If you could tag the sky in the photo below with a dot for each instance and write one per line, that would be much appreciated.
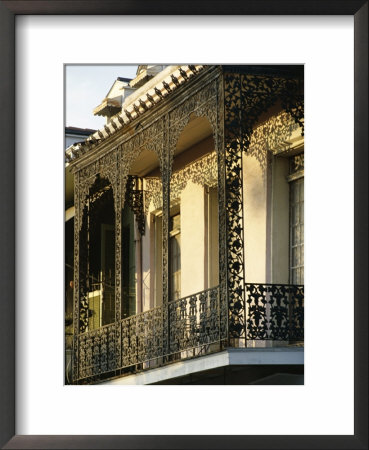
(85, 87)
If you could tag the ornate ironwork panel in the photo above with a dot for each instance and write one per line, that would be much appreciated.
(97, 352)
(142, 337)
(275, 312)
(203, 172)
(222, 212)
(77, 219)
(194, 321)
(135, 200)
(153, 193)
(105, 167)
(150, 138)
(233, 144)
(201, 103)
(118, 258)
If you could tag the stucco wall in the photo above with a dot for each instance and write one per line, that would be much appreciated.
(192, 239)
(255, 217)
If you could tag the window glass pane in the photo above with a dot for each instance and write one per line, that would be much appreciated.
(297, 231)
(175, 257)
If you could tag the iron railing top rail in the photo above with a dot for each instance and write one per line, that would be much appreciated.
(275, 284)
(87, 332)
(126, 319)
(195, 294)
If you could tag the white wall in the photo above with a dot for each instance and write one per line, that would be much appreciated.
(192, 239)
(71, 139)
(255, 219)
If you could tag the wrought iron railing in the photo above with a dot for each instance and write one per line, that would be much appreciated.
(142, 337)
(194, 321)
(274, 312)
(97, 353)
(190, 327)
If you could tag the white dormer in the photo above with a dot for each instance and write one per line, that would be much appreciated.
(144, 73)
(112, 103)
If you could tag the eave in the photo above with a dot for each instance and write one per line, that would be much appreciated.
(137, 105)
(107, 107)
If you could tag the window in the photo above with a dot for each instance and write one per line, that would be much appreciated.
(158, 259)
(296, 179)
(212, 237)
(175, 257)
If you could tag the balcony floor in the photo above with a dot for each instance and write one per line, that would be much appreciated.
(240, 365)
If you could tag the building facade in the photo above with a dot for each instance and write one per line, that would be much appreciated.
(188, 230)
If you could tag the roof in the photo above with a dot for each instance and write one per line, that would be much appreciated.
(105, 105)
(137, 104)
(127, 80)
(79, 131)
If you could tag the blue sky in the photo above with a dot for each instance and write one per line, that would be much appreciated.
(85, 87)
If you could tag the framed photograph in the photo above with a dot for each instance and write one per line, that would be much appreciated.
(164, 243)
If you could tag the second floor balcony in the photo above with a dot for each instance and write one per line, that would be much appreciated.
(179, 207)
(192, 327)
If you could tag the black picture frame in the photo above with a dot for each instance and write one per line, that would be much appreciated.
(8, 11)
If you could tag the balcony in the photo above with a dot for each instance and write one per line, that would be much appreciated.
(191, 327)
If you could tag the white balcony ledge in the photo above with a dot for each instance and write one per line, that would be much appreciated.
(232, 357)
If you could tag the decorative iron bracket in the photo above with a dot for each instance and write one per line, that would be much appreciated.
(135, 200)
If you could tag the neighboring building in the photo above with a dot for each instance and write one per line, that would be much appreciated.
(188, 236)
(75, 134)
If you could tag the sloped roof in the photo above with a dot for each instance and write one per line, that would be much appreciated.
(137, 104)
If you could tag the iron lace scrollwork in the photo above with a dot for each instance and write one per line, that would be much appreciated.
(275, 312)
(194, 321)
(134, 198)
(234, 204)
(246, 97)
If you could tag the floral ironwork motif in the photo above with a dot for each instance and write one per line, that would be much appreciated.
(153, 193)
(203, 172)
(194, 321)
(135, 200)
(97, 353)
(275, 312)
(233, 135)
(118, 202)
(142, 337)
